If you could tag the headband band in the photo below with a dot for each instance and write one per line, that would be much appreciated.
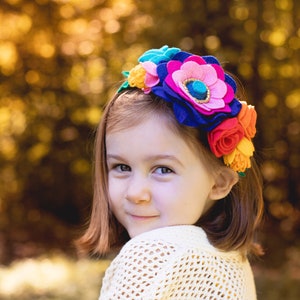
(203, 96)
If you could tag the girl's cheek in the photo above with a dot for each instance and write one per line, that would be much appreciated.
(115, 188)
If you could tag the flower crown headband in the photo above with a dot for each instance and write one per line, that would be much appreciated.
(202, 95)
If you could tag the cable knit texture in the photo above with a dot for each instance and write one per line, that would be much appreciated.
(177, 262)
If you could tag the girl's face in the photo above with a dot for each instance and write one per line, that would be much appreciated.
(155, 178)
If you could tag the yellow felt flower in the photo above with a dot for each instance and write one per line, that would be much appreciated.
(239, 158)
(136, 77)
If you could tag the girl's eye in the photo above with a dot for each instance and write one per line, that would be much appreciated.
(122, 168)
(163, 170)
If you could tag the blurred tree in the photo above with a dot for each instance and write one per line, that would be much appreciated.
(59, 62)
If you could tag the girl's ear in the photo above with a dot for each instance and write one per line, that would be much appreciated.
(224, 181)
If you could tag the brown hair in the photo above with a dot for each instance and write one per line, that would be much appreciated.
(230, 223)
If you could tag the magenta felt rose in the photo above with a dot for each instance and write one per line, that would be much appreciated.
(225, 137)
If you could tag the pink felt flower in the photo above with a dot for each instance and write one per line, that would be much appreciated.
(151, 77)
(201, 84)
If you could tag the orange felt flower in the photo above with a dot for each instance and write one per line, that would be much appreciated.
(247, 118)
(136, 77)
(239, 159)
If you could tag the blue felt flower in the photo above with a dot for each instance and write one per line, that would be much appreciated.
(158, 55)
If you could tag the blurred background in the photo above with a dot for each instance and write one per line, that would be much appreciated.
(60, 60)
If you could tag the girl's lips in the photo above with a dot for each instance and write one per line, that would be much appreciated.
(141, 217)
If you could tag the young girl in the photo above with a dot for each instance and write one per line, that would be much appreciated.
(175, 183)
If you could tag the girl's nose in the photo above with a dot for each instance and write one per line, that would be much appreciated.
(138, 190)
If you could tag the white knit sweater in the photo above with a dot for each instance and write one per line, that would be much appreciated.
(177, 263)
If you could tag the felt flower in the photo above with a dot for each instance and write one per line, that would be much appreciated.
(156, 56)
(239, 159)
(201, 93)
(247, 118)
(201, 84)
(136, 77)
(151, 77)
(225, 137)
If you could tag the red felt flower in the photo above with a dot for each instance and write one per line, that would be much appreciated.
(225, 137)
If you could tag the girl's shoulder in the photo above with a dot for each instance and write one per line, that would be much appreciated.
(175, 257)
(165, 246)
(180, 238)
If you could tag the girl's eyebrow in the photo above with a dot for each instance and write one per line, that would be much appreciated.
(154, 157)
(113, 156)
(164, 156)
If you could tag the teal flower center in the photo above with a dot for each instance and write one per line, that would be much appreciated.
(198, 90)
